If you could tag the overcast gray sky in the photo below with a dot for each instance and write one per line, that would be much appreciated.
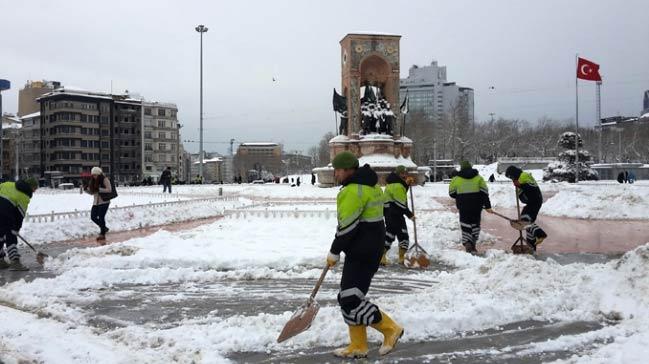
(526, 50)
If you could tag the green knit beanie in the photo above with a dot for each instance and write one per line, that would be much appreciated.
(400, 169)
(465, 165)
(32, 182)
(345, 160)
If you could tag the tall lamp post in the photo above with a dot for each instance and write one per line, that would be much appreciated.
(201, 29)
(4, 85)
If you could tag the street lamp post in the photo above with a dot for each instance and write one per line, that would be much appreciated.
(4, 85)
(201, 29)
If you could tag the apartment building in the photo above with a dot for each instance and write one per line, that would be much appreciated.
(161, 139)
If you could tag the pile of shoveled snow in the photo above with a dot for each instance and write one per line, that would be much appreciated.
(607, 201)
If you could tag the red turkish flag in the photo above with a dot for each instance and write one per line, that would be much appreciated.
(587, 70)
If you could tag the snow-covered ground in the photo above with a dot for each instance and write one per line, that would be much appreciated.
(42, 319)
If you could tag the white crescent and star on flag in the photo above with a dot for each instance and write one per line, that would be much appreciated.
(586, 70)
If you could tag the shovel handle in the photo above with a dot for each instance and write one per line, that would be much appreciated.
(28, 244)
(503, 216)
(319, 283)
(414, 222)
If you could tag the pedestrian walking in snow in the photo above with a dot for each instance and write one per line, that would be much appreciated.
(312, 179)
(471, 195)
(620, 177)
(396, 205)
(165, 180)
(298, 182)
(631, 177)
(14, 200)
(102, 191)
(530, 194)
(360, 234)
(492, 179)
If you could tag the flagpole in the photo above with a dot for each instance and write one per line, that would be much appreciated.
(577, 117)
(599, 119)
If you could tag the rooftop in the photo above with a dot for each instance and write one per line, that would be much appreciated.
(259, 144)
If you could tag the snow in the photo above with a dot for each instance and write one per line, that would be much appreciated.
(386, 160)
(623, 201)
(215, 159)
(47, 200)
(376, 136)
(368, 32)
(28, 116)
(44, 319)
(259, 144)
(340, 139)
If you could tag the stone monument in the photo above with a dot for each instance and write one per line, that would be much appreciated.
(371, 120)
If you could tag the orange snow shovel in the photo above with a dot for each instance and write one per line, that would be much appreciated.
(304, 316)
(416, 256)
(40, 256)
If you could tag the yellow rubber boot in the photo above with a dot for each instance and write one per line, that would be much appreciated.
(391, 331)
(402, 255)
(357, 348)
(384, 258)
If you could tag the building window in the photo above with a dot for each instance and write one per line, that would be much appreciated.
(147, 111)
(161, 123)
(161, 112)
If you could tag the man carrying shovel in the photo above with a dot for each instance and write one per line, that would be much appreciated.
(471, 195)
(396, 205)
(530, 194)
(361, 235)
(14, 200)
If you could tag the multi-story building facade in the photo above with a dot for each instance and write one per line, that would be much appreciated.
(11, 127)
(76, 132)
(161, 139)
(27, 103)
(297, 163)
(184, 164)
(260, 157)
(30, 145)
(430, 93)
(129, 138)
(212, 170)
(126, 141)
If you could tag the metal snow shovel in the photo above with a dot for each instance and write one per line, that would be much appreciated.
(416, 256)
(304, 316)
(518, 225)
(40, 256)
(520, 246)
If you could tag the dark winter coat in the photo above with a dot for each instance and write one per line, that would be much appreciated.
(165, 178)
(528, 190)
(361, 230)
(396, 197)
(14, 199)
(469, 190)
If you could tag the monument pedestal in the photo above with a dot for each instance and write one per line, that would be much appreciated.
(382, 152)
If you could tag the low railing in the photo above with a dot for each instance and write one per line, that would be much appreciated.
(268, 213)
(56, 216)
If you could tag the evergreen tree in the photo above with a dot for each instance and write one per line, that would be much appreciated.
(564, 168)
